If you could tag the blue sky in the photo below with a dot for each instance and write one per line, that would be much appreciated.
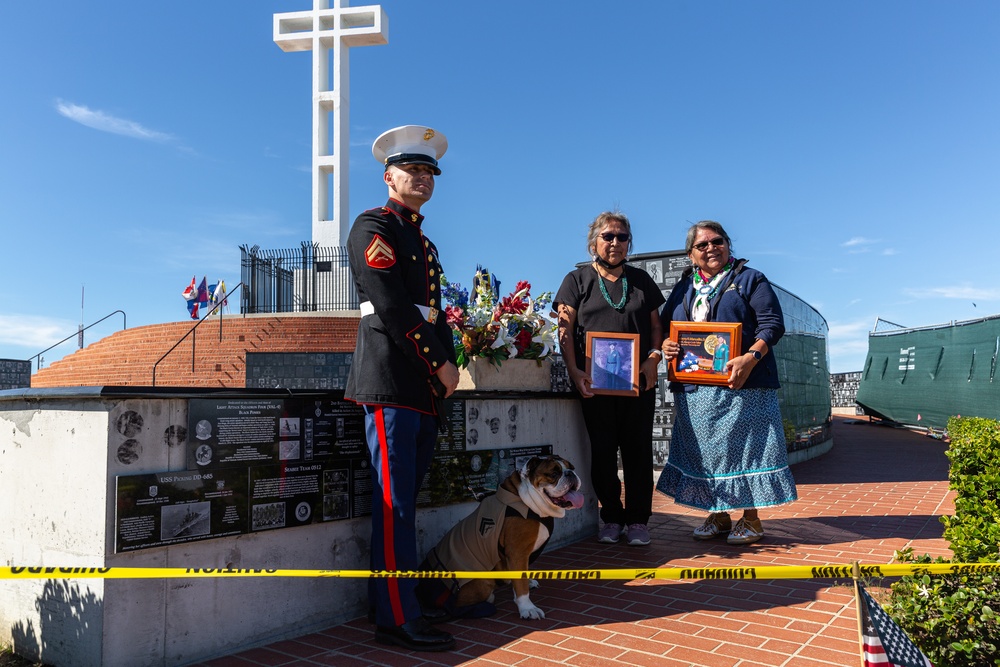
(851, 148)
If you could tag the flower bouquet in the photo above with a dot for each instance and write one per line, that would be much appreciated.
(485, 325)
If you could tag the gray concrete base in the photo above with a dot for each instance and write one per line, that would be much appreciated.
(59, 458)
(810, 452)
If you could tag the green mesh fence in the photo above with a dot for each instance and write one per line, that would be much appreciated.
(924, 376)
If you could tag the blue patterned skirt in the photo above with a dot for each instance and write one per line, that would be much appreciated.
(727, 451)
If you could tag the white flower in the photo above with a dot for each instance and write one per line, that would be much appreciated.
(501, 338)
(547, 339)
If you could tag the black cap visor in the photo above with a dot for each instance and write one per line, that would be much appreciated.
(413, 158)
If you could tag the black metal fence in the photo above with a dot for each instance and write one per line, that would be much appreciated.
(306, 279)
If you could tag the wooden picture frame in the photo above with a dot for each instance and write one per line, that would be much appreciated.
(702, 357)
(613, 363)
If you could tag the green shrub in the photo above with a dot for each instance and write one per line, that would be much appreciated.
(974, 531)
(952, 617)
(789, 431)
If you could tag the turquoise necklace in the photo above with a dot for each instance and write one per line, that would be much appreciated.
(620, 306)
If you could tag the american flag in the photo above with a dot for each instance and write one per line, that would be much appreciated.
(883, 643)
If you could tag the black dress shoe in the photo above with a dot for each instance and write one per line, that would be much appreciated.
(432, 614)
(435, 615)
(416, 635)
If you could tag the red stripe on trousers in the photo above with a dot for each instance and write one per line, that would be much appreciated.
(388, 523)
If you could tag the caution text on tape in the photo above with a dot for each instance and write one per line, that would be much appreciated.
(670, 573)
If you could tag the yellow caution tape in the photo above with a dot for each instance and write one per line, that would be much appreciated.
(677, 573)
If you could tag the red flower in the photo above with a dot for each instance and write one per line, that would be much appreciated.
(523, 340)
(455, 316)
(511, 306)
(523, 285)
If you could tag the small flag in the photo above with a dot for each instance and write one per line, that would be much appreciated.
(203, 292)
(883, 643)
(190, 292)
(219, 292)
(190, 295)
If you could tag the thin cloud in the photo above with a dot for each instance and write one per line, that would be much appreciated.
(963, 292)
(33, 331)
(849, 344)
(99, 120)
(859, 244)
(852, 329)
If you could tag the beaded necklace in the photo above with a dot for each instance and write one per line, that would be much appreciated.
(620, 306)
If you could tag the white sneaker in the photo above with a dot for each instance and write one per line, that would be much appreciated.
(715, 525)
(746, 532)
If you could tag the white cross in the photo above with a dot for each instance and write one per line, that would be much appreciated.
(321, 30)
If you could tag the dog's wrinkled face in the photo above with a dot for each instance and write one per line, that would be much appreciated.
(555, 477)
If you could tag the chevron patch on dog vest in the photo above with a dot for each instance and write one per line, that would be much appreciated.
(486, 525)
(379, 254)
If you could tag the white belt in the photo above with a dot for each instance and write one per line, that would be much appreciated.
(430, 314)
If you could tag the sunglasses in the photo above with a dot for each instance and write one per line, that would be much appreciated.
(718, 242)
(622, 237)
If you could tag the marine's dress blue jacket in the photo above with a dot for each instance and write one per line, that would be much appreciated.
(745, 296)
(396, 268)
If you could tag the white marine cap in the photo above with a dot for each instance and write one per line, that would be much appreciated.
(410, 144)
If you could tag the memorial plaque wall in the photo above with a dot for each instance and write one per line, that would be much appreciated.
(256, 464)
(298, 370)
(844, 390)
(15, 374)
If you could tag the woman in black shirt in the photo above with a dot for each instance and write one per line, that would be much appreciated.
(610, 296)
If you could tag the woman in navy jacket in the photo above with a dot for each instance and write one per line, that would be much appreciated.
(727, 450)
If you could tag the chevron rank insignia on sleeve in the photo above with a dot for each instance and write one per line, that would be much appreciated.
(379, 254)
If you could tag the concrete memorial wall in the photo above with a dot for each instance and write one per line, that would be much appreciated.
(251, 479)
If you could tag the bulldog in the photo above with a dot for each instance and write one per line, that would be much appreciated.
(506, 532)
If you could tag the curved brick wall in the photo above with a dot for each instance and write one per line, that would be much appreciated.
(126, 358)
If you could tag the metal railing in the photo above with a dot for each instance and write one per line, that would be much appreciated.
(306, 279)
(78, 332)
(885, 325)
(194, 336)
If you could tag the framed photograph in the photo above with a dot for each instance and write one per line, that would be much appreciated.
(613, 363)
(705, 349)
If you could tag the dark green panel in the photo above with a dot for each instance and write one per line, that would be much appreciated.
(924, 376)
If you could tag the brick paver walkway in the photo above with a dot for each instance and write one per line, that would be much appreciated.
(878, 490)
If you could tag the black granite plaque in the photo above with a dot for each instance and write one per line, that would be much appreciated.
(361, 488)
(337, 491)
(167, 508)
(284, 496)
(465, 476)
(240, 431)
(15, 374)
(332, 428)
(298, 370)
(452, 437)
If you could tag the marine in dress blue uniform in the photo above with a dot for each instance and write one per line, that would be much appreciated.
(404, 360)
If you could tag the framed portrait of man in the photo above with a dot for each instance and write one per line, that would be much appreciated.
(613, 363)
(706, 347)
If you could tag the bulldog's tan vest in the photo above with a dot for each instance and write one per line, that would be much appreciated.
(473, 544)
